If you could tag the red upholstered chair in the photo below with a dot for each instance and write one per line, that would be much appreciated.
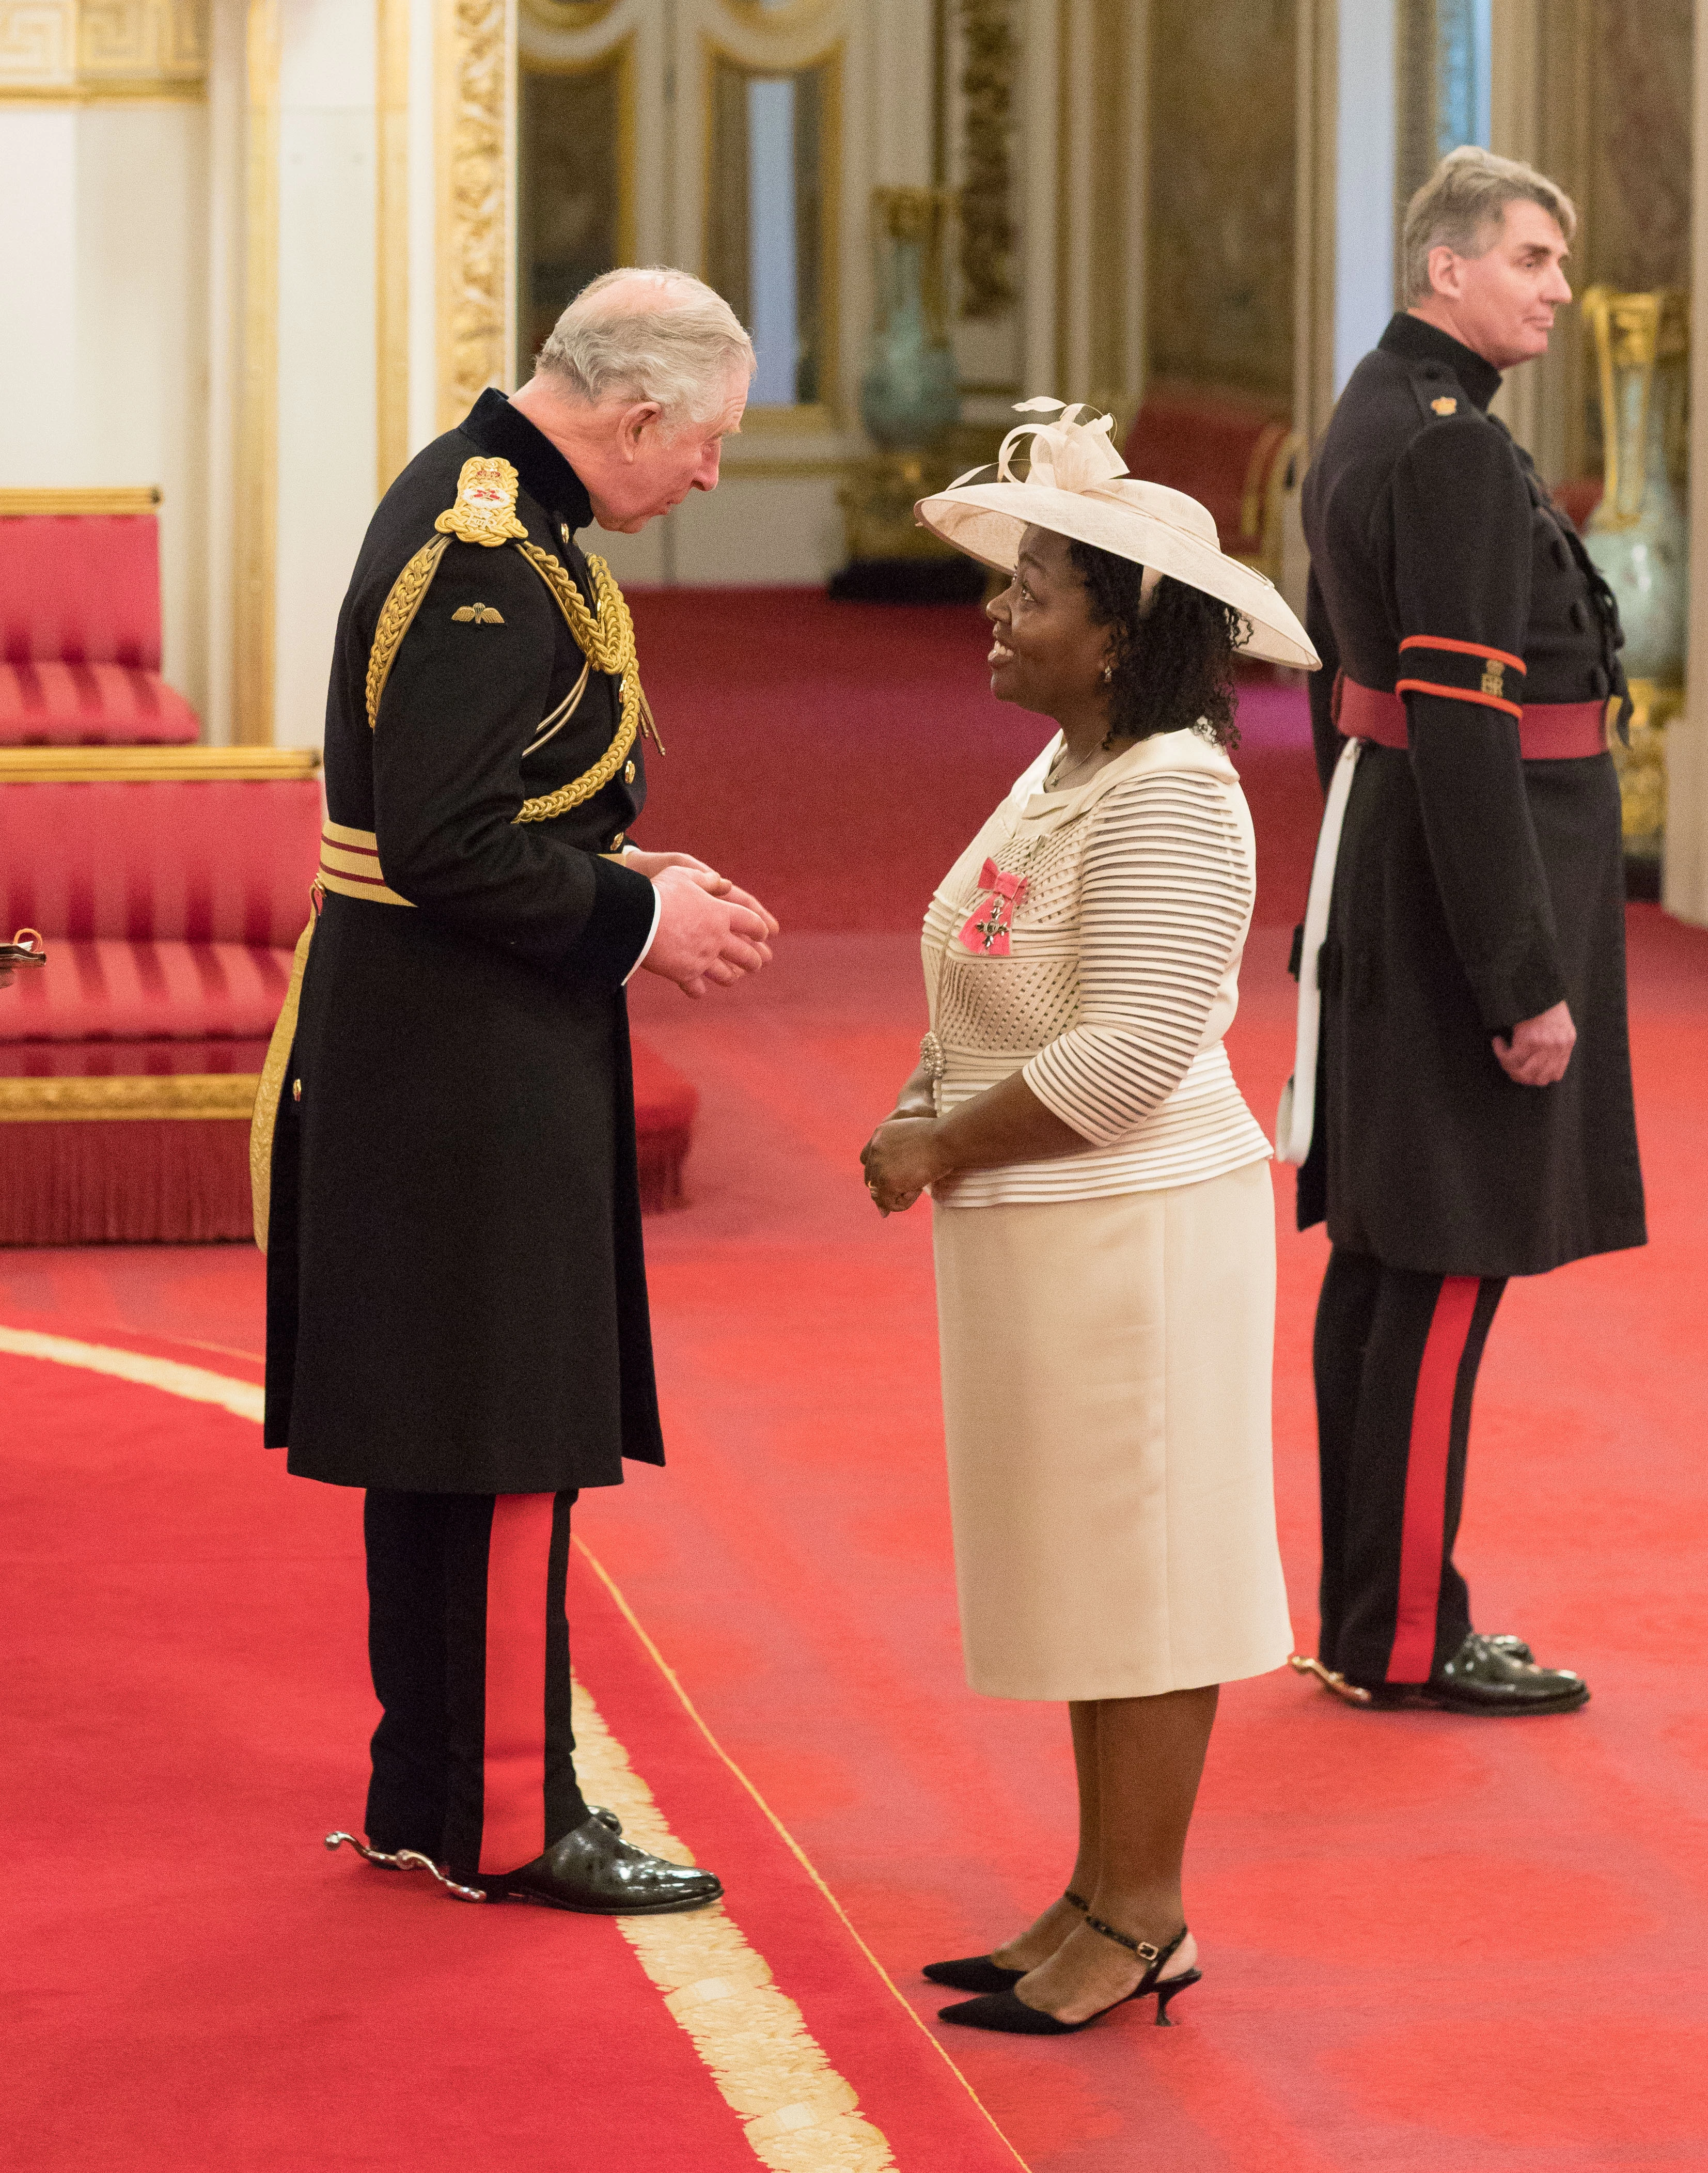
(1234, 456)
(171, 885)
(80, 622)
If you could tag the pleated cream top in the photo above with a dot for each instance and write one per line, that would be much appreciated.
(1121, 977)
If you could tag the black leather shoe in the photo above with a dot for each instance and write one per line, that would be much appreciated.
(1497, 1674)
(591, 1870)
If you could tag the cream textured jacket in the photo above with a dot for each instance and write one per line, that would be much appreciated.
(1110, 979)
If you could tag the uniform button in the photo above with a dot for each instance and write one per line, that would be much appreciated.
(1579, 616)
(1562, 553)
(296, 1090)
(563, 530)
(629, 773)
(616, 842)
(1597, 683)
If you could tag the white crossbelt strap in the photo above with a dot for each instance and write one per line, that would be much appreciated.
(1296, 1117)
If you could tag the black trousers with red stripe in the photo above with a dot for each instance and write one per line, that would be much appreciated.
(474, 1757)
(1396, 1357)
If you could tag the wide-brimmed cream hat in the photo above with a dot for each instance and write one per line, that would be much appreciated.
(1078, 485)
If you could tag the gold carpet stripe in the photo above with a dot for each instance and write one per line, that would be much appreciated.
(799, 1854)
(243, 1399)
(798, 2113)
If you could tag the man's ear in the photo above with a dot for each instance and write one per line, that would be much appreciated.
(632, 425)
(1444, 271)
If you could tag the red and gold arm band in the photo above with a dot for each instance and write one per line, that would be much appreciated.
(1462, 671)
(1456, 648)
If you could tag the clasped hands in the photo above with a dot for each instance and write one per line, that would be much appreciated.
(902, 1159)
(709, 932)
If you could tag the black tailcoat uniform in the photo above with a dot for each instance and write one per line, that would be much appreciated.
(455, 1291)
(456, 1302)
(1473, 889)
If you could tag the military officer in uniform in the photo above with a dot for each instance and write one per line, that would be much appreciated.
(445, 1146)
(1471, 1082)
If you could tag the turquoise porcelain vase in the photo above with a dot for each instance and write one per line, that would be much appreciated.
(1639, 535)
(909, 396)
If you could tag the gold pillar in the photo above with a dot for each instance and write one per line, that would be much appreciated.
(257, 447)
(473, 64)
(391, 255)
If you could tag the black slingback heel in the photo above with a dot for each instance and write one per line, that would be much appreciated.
(978, 1973)
(1001, 2010)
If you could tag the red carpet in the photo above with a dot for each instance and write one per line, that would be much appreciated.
(1431, 1945)
(194, 1983)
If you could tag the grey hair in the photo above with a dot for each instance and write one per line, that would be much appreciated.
(1466, 196)
(648, 333)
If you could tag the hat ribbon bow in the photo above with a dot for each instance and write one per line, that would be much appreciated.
(1075, 452)
(986, 927)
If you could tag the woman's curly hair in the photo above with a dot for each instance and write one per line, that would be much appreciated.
(1174, 660)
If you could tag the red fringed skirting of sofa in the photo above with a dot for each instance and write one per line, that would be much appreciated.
(168, 1180)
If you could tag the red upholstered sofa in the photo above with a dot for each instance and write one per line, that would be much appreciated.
(1235, 457)
(170, 884)
(80, 622)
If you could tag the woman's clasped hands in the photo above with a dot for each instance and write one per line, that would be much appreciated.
(902, 1158)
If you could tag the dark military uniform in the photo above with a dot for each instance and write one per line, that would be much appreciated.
(456, 1302)
(1479, 881)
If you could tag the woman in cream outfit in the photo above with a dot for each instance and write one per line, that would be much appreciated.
(1102, 1216)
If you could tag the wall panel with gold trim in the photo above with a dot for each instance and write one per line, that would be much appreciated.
(1223, 145)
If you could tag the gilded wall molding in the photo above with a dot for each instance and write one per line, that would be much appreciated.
(473, 65)
(80, 50)
(991, 57)
(568, 14)
(257, 433)
(391, 252)
(40, 501)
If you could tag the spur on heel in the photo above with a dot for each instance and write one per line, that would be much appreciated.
(978, 1973)
(1004, 2009)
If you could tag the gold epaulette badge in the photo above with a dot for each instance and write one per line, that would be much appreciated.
(485, 511)
(1444, 405)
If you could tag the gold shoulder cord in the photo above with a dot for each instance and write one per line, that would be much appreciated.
(396, 617)
(484, 513)
(607, 642)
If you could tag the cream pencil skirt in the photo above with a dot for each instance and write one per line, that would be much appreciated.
(1105, 1398)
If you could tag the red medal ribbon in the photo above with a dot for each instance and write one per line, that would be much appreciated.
(987, 929)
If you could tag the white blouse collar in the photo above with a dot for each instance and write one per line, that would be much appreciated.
(1187, 750)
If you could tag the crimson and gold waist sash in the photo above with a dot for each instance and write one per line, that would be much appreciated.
(1547, 731)
(350, 864)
